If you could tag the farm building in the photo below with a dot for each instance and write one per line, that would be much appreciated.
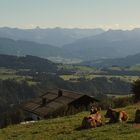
(57, 103)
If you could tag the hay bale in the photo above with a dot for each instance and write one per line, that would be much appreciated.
(137, 116)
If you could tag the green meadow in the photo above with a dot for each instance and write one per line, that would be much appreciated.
(66, 128)
(89, 77)
(12, 74)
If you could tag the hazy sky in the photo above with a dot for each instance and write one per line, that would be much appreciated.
(116, 14)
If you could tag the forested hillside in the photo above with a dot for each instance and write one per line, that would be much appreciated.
(20, 48)
(13, 93)
(28, 62)
(124, 61)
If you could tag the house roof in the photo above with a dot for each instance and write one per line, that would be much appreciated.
(53, 101)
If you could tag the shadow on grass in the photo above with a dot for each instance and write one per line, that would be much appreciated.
(81, 128)
(130, 122)
(106, 123)
(134, 124)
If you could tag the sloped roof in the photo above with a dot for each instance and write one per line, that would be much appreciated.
(53, 102)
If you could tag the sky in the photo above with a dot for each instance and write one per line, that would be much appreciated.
(115, 14)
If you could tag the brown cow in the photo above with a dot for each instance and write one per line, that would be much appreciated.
(93, 120)
(116, 116)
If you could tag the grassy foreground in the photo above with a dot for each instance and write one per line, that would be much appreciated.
(65, 128)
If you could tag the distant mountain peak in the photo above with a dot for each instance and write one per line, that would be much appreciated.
(37, 27)
(55, 36)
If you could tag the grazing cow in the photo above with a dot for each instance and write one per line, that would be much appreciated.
(93, 120)
(137, 116)
(116, 116)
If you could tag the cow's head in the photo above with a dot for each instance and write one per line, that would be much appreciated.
(93, 110)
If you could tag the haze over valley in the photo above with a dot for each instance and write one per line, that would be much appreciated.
(76, 44)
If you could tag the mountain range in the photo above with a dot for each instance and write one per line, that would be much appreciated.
(53, 36)
(110, 44)
(102, 45)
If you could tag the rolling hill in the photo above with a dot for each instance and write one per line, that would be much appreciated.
(126, 61)
(21, 48)
(27, 62)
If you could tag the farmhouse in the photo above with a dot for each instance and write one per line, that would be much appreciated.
(57, 103)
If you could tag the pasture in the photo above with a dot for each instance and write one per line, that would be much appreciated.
(89, 77)
(89, 72)
(66, 128)
(12, 74)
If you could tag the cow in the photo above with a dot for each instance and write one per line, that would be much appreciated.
(116, 116)
(93, 120)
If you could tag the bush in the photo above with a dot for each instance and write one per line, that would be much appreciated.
(122, 102)
(115, 102)
(136, 90)
(106, 103)
(14, 116)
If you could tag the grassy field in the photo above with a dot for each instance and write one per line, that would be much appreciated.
(64, 60)
(129, 68)
(11, 74)
(125, 78)
(135, 68)
(80, 68)
(87, 73)
(8, 74)
(119, 96)
(65, 128)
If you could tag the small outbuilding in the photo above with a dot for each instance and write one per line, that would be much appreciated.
(57, 103)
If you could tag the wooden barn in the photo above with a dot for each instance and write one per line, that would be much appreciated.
(57, 103)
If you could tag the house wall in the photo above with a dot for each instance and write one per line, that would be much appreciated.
(68, 110)
(31, 116)
(34, 116)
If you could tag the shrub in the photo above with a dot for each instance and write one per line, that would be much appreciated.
(122, 102)
(115, 102)
(136, 90)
